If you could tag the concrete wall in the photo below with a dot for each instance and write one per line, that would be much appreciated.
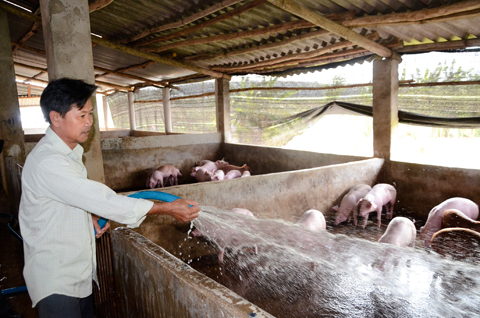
(270, 159)
(421, 187)
(126, 160)
(165, 287)
(284, 195)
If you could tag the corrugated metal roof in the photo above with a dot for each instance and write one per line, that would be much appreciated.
(248, 37)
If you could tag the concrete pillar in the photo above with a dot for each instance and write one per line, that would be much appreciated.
(66, 32)
(131, 111)
(167, 111)
(11, 132)
(385, 106)
(222, 102)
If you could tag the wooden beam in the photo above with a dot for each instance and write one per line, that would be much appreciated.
(435, 15)
(292, 58)
(418, 17)
(123, 88)
(451, 45)
(118, 72)
(156, 58)
(99, 4)
(183, 22)
(155, 83)
(293, 25)
(321, 21)
(325, 59)
(249, 6)
(124, 48)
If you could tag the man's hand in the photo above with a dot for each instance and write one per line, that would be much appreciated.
(97, 227)
(181, 209)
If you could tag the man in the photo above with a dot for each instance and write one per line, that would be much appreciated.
(57, 201)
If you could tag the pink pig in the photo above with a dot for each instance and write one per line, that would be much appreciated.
(380, 195)
(228, 167)
(312, 220)
(348, 206)
(163, 174)
(233, 174)
(217, 175)
(434, 220)
(202, 175)
(400, 232)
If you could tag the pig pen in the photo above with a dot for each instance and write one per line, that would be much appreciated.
(127, 159)
(151, 273)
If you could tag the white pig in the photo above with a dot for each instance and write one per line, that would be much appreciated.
(312, 220)
(163, 174)
(434, 220)
(202, 175)
(380, 195)
(217, 175)
(233, 174)
(400, 232)
(348, 206)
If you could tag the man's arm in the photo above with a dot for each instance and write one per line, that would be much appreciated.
(181, 209)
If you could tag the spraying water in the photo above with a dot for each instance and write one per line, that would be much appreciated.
(301, 273)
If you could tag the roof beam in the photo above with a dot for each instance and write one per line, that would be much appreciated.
(347, 34)
(235, 12)
(288, 26)
(183, 22)
(123, 48)
(293, 58)
(157, 58)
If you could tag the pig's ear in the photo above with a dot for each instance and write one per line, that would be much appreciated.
(335, 208)
(359, 201)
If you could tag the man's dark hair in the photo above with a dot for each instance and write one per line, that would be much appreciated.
(62, 94)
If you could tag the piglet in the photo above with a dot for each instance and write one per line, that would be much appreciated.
(222, 237)
(217, 175)
(207, 165)
(246, 173)
(312, 220)
(202, 175)
(434, 220)
(348, 206)
(227, 168)
(400, 232)
(233, 174)
(380, 195)
(163, 174)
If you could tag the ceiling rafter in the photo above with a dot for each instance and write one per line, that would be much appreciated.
(289, 26)
(295, 57)
(125, 49)
(430, 16)
(336, 28)
(235, 12)
(183, 22)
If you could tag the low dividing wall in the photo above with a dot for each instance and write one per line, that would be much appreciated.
(126, 160)
(265, 160)
(153, 283)
(284, 195)
(421, 187)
